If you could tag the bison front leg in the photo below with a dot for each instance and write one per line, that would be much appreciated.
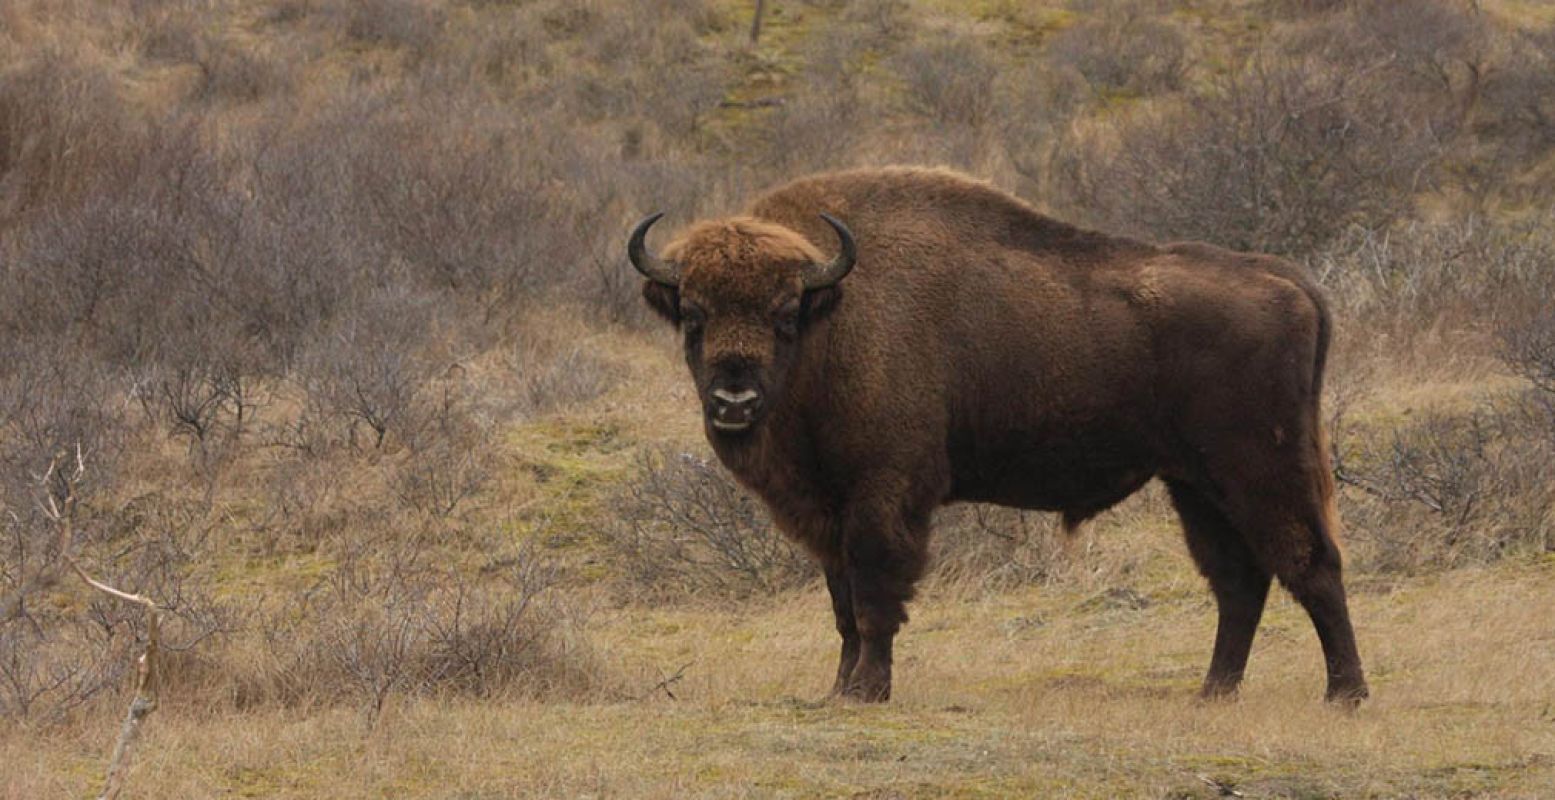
(884, 560)
(842, 608)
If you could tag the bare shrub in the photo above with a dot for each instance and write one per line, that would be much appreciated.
(230, 72)
(483, 640)
(387, 622)
(448, 459)
(369, 374)
(1449, 490)
(570, 376)
(1482, 84)
(616, 291)
(170, 34)
(288, 11)
(63, 127)
(408, 24)
(45, 673)
(1518, 94)
(611, 289)
(684, 528)
(996, 548)
(1443, 44)
(62, 645)
(51, 403)
(188, 400)
(1124, 49)
(1038, 104)
(551, 372)
(504, 51)
(816, 130)
(820, 124)
(464, 212)
(950, 80)
(48, 406)
(883, 18)
(301, 502)
(1280, 156)
(1420, 274)
(166, 272)
(95, 270)
(436, 479)
(1530, 348)
(677, 107)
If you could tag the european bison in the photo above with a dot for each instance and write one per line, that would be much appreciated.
(954, 344)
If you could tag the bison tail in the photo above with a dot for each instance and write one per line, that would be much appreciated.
(1325, 478)
(1330, 505)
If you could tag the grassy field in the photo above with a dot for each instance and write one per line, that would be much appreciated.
(1029, 693)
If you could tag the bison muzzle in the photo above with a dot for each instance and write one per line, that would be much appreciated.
(951, 344)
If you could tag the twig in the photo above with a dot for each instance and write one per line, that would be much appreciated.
(760, 102)
(668, 682)
(15, 605)
(1225, 789)
(1348, 478)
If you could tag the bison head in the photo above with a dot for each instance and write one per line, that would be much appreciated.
(744, 292)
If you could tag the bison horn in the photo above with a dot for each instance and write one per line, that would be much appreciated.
(820, 276)
(660, 272)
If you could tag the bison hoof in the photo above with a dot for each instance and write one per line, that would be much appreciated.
(1218, 693)
(863, 691)
(1347, 696)
(867, 691)
(870, 695)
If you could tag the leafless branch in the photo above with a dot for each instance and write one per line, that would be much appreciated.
(667, 682)
(59, 505)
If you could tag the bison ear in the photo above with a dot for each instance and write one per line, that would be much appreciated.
(818, 303)
(665, 300)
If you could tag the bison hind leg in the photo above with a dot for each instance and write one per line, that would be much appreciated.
(1318, 586)
(1279, 506)
(1240, 584)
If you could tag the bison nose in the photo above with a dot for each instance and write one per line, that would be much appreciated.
(734, 409)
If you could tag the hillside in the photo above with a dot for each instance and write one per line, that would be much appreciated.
(330, 296)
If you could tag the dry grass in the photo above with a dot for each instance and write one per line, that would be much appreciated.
(1029, 693)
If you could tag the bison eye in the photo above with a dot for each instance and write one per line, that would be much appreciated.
(692, 319)
(786, 320)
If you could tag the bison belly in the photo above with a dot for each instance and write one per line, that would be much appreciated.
(1074, 471)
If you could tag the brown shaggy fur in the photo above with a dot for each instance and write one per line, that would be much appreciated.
(980, 351)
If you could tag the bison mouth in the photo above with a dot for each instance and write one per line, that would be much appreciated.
(731, 427)
(734, 412)
(732, 422)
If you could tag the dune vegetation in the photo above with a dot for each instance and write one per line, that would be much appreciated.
(316, 329)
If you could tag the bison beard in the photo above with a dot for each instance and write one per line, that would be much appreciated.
(979, 351)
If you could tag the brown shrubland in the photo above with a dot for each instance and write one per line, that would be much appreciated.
(330, 293)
